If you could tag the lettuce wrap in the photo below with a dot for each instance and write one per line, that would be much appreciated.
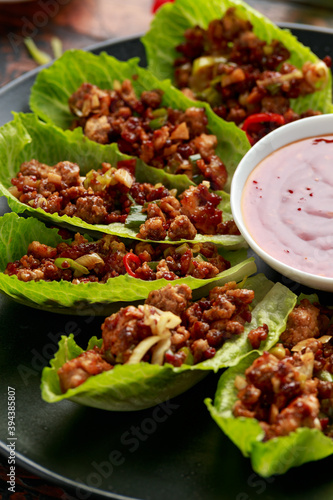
(26, 137)
(54, 86)
(85, 298)
(170, 22)
(142, 385)
(276, 455)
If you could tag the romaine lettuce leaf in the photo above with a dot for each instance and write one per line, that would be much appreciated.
(54, 86)
(27, 137)
(129, 387)
(86, 298)
(169, 24)
(271, 457)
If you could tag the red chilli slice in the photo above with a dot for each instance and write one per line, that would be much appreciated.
(259, 118)
(157, 4)
(131, 258)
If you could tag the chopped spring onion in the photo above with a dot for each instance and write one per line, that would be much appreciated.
(157, 113)
(160, 118)
(182, 249)
(153, 264)
(206, 61)
(157, 123)
(38, 55)
(66, 263)
(200, 258)
(56, 45)
(194, 158)
(189, 360)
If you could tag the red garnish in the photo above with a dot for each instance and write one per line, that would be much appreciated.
(324, 422)
(209, 353)
(253, 123)
(328, 61)
(131, 258)
(157, 4)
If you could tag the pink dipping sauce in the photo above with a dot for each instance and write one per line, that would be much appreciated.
(287, 205)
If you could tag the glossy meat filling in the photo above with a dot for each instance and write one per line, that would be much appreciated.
(285, 389)
(83, 261)
(108, 195)
(246, 80)
(168, 328)
(163, 137)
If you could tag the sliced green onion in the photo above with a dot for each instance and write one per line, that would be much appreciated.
(194, 158)
(182, 249)
(157, 123)
(65, 263)
(89, 178)
(211, 95)
(104, 180)
(38, 55)
(278, 351)
(206, 61)
(157, 113)
(197, 179)
(56, 45)
(200, 258)
(197, 176)
(153, 264)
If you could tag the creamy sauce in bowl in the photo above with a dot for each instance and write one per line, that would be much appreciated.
(287, 205)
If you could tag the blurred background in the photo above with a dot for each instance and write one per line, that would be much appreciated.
(80, 23)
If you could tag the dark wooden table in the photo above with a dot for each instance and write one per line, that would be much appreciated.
(80, 23)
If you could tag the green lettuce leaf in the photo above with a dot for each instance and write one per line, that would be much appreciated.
(27, 137)
(86, 298)
(125, 388)
(54, 86)
(129, 387)
(169, 24)
(272, 457)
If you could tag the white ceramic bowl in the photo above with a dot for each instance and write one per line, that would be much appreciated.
(301, 129)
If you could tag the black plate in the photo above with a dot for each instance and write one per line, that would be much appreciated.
(174, 450)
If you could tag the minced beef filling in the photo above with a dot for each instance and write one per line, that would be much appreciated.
(204, 326)
(177, 141)
(106, 196)
(283, 388)
(241, 75)
(109, 257)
